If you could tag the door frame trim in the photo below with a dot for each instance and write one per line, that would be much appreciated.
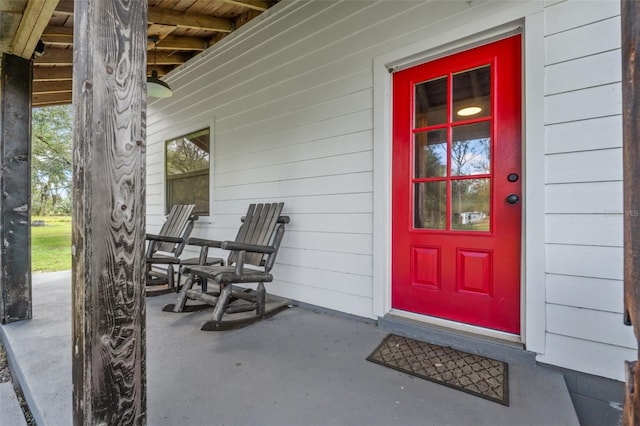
(479, 25)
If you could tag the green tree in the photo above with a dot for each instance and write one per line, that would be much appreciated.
(51, 160)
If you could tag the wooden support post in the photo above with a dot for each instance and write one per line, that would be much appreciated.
(109, 100)
(631, 147)
(15, 186)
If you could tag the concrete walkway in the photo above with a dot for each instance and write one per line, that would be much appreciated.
(298, 368)
(10, 411)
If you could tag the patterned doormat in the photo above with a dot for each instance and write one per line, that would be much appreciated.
(474, 374)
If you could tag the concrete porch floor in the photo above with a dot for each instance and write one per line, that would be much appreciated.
(301, 367)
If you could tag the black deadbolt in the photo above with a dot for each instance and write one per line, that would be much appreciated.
(513, 199)
(512, 177)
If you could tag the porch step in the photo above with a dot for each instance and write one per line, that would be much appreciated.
(540, 390)
(10, 411)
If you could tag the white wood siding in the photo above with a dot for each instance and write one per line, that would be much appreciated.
(292, 104)
(583, 177)
(291, 99)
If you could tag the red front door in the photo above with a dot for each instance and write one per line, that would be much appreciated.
(457, 187)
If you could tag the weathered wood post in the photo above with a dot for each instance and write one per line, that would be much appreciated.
(631, 153)
(109, 99)
(15, 188)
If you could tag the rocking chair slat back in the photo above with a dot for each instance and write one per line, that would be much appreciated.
(257, 228)
(174, 226)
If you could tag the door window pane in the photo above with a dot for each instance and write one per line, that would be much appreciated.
(472, 94)
(431, 153)
(431, 103)
(470, 204)
(471, 149)
(430, 206)
(187, 166)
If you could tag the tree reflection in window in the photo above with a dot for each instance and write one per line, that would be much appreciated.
(187, 171)
(471, 149)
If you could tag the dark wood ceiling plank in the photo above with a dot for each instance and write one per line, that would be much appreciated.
(170, 17)
(53, 56)
(47, 104)
(54, 31)
(189, 20)
(52, 73)
(57, 40)
(64, 57)
(180, 43)
(160, 31)
(167, 58)
(65, 7)
(51, 86)
(250, 4)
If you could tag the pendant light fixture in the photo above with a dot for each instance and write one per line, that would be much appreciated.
(155, 87)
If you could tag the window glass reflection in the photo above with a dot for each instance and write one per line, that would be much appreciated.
(431, 103)
(472, 94)
(470, 204)
(431, 153)
(471, 149)
(430, 206)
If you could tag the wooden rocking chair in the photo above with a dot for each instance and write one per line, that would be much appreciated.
(256, 246)
(166, 247)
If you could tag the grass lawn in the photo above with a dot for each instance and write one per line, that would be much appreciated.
(51, 244)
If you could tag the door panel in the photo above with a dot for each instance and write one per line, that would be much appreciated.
(456, 221)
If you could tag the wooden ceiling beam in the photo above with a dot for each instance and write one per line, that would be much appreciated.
(51, 99)
(57, 35)
(34, 20)
(179, 43)
(250, 4)
(64, 57)
(47, 74)
(189, 20)
(65, 7)
(165, 58)
(52, 30)
(64, 102)
(57, 40)
(51, 86)
(166, 43)
(160, 31)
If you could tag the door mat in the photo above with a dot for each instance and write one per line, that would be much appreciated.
(473, 374)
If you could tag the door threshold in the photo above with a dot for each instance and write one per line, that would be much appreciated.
(471, 330)
(494, 344)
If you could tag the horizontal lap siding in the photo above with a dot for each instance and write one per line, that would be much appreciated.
(292, 101)
(291, 95)
(583, 176)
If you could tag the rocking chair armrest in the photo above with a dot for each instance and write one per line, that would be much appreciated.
(164, 238)
(255, 248)
(204, 242)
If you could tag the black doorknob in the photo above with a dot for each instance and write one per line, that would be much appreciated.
(513, 177)
(513, 199)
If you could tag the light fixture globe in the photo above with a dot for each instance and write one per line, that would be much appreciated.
(157, 88)
(469, 111)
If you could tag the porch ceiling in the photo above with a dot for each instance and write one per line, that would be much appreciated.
(183, 29)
